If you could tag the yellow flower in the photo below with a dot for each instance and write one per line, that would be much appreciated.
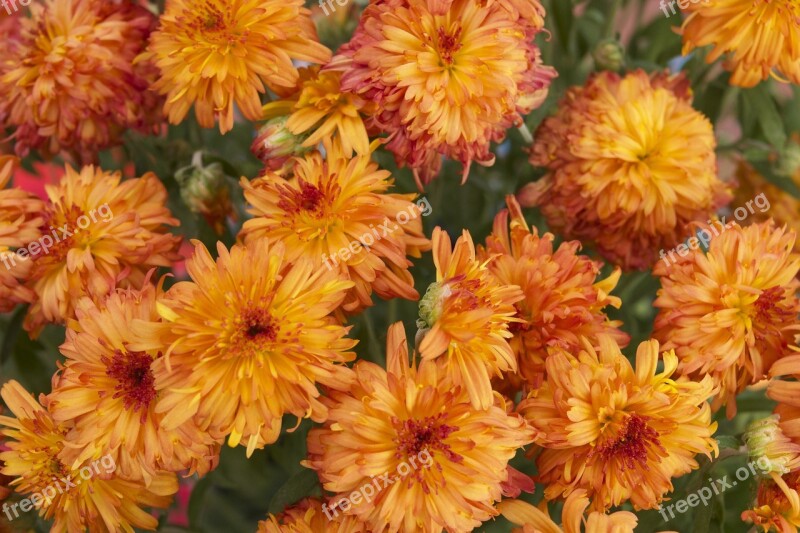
(777, 506)
(308, 516)
(102, 232)
(757, 37)
(620, 433)
(448, 77)
(109, 387)
(90, 495)
(216, 53)
(247, 341)
(334, 212)
(465, 317)
(410, 439)
(69, 81)
(562, 299)
(534, 520)
(629, 164)
(728, 313)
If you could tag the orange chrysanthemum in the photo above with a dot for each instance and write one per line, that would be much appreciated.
(20, 220)
(308, 516)
(619, 433)
(69, 81)
(91, 495)
(107, 390)
(334, 213)
(102, 232)
(439, 463)
(758, 37)
(629, 164)
(777, 506)
(534, 520)
(562, 299)
(448, 77)
(248, 340)
(216, 53)
(464, 319)
(730, 313)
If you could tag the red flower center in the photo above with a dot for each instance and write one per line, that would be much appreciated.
(135, 380)
(631, 446)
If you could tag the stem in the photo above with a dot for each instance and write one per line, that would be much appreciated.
(608, 32)
(526, 134)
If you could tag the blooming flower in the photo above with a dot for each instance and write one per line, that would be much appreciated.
(70, 82)
(334, 212)
(620, 433)
(389, 420)
(777, 506)
(757, 38)
(729, 313)
(247, 340)
(216, 53)
(448, 77)
(103, 232)
(629, 164)
(308, 516)
(562, 299)
(97, 501)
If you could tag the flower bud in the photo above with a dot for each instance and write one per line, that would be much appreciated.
(789, 160)
(205, 190)
(609, 55)
(769, 448)
(275, 144)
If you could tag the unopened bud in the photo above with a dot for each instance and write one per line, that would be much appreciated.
(770, 449)
(609, 55)
(205, 190)
(789, 160)
(275, 144)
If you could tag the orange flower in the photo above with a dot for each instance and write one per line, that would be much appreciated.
(629, 164)
(448, 77)
(777, 505)
(335, 213)
(730, 313)
(758, 37)
(620, 433)
(108, 390)
(562, 299)
(307, 516)
(69, 81)
(102, 232)
(247, 340)
(534, 520)
(216, 53)
(90, 495)
(411, 439)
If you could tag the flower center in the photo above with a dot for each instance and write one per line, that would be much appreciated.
(253, 333)
(632, 443)
(449, 44)
(135, 380)
(426, 435)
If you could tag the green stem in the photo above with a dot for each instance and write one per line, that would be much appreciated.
(608, 32)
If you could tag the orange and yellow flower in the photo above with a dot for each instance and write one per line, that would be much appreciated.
(447, 77)
(629, 163)
(90, 495)
(757, 37)
(102, 232)
(730, 313)
(777, 506)
(108, 390)
(334, 212)
(562, 303)
(464, 319)
(620, 433)
(215, 54)
(248, 340)
(69, 81)
(309, 516)
(534, 520)
(439, 462)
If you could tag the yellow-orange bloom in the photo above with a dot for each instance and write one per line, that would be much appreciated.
(562, 303)
(107, 390)
(732, 312)
(216, 53)
(309, 516)
(447, 77)
(412, 435)
(334, 212)
(247, 340)
(619, 432)
(629, 163)
(90, 495)
(20, 220)
(102, 232)
(757, 37)
(464, 319)
(69, 81)
(777, 506)
(534, 520)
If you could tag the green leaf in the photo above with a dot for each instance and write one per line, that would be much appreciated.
(295, 489)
